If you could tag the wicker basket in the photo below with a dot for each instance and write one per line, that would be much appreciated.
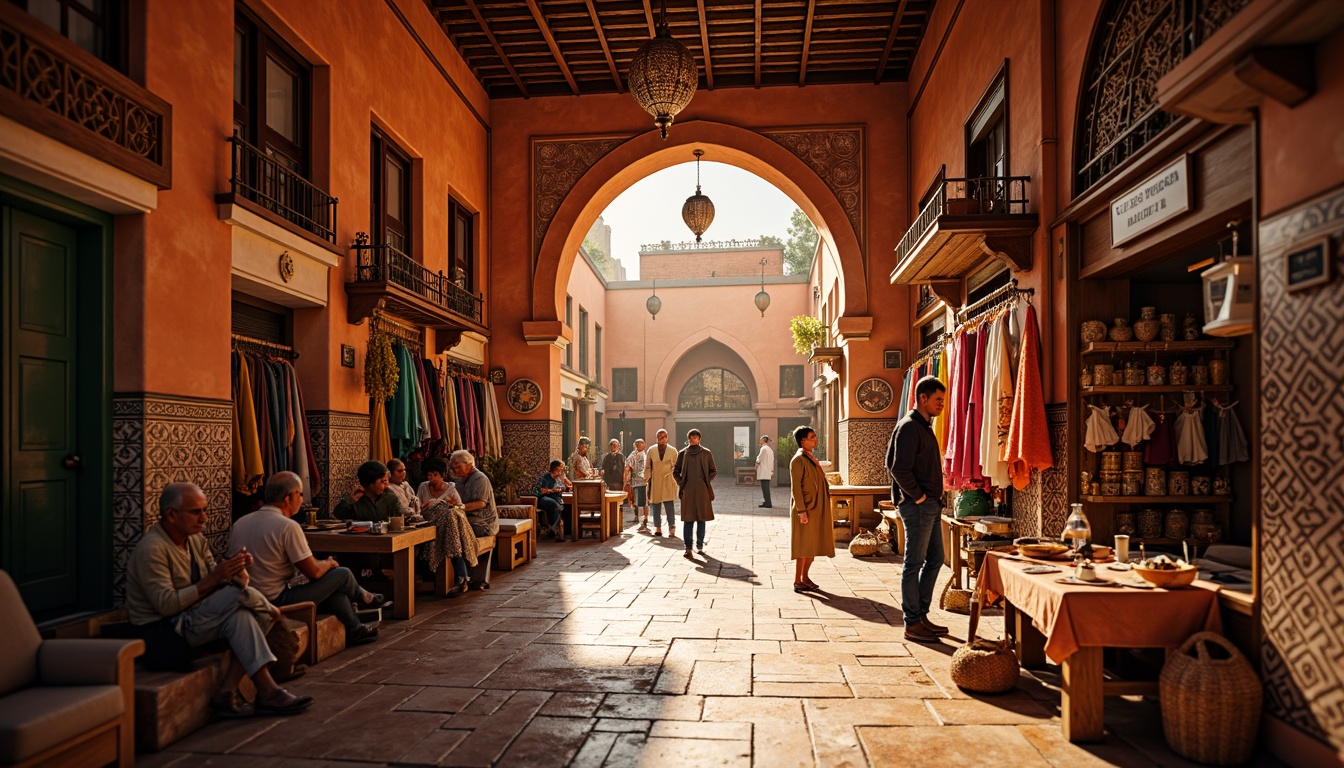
(863, 545)
(955, 600)
(1210, 701)
(985, 666)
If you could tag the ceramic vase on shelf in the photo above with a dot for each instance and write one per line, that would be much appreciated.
(1199, 374)
(1218, 371)
(1093, 330)
(1101, 375)
(1177, 524)
(1200, 485)
(1085, 380)
(1133, 374)
(1148, 326)
(1157, 375)
(1178, 374)
(1150, 523)
(1121, 330)
(1178, 483)
(1155, 481)
(1190, 328)
(1167, 327)
(1124, 523)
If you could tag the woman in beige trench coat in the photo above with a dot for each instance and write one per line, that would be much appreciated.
(810, 509)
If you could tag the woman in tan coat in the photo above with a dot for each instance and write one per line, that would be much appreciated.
(810, 508)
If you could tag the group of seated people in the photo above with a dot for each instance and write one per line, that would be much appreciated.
(180, 598)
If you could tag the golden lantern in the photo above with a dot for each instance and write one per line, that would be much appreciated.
(698, 210)
(663, 76)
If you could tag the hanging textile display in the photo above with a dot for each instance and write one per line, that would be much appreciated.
(1028, 446)
(1232, 446)
(1100, 434)
(1189, 431)
(270, 426)
(380, 381)
(1138, 427)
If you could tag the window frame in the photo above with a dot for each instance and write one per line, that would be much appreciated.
(990, 112)
(569, 321)
(597, 353)
(624, 385)
(583, 340)
(802, 380)
(724, 374)
(260, 44)
(113, 27)
(382, 149)
(460, 214)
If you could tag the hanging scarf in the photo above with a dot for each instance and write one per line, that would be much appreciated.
(1028, 445)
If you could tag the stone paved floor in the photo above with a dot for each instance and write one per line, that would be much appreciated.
(625, 653)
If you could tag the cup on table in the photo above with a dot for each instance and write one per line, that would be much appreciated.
(1122, 548)
(312, 518)
(396, 524)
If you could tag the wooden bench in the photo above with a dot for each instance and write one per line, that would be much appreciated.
(480, 575)
(516, 542)
(746, 475)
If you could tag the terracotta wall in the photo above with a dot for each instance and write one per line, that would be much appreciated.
(710, 263)
(589, 293)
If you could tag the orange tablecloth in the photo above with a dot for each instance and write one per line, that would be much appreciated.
(1072, 616)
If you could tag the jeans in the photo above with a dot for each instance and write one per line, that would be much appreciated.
(552, 507)
(658, 507)
(699, 532)
(336, 592)
(460, 571)
(765, 492)
(640, 500)
(223, 615)
(923, 557)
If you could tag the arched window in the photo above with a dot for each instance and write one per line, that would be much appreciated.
(714, 389)
(1135, 44)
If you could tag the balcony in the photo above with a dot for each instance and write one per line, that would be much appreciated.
(964, 221)
(54, 87)
(387, 279)
(269, 188)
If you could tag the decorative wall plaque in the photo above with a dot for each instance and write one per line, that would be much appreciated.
(286, 267)
(347, 356)
(893, 360)
(1309, 266)
(874, 395)
(497, 376)
(524, 395)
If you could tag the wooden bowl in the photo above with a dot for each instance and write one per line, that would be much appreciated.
(1168, 579)
(1043, 549)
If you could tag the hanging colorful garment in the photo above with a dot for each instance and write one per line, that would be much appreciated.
(249, 471)
(494, 432)
(903, 402)
(404, 414)
(313, 486)
(1100, 433)
(955, 402)
(998, 400)
(380, 442)
(1159, 451)
(940, 422)
(1028, 445)
(1189, 430)
(453, 437)
(1232, 445)
(1138, 427)
(971, 469)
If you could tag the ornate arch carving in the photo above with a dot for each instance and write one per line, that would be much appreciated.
(1135, 43)
(837, 157)
(557, 165)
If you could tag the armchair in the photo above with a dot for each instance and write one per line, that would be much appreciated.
(63, 702)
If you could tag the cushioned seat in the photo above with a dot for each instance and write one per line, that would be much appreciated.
(514, 525)
(36, 719)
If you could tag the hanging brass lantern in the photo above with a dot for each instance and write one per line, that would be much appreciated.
(698, 210)
(654, 304)
(663, 76)
(763, 298)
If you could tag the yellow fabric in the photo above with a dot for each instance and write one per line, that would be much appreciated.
(940, 422)
(380, 440)
(248, 469)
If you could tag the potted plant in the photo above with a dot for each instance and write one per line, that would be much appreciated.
(785, 448)
(504, 473)
(808, 332)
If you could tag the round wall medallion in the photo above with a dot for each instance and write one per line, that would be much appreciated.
(524, 395)
(286, 267)
(874, 395)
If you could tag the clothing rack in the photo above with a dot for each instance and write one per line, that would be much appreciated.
(1000, 296)
(404, 332)
(928, 351)
(462, 370)
(248, 344)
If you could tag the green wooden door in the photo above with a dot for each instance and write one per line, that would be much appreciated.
(41, 534)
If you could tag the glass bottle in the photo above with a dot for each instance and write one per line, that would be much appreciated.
(1077, 530)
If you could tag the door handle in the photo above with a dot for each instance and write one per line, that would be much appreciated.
(72, 461)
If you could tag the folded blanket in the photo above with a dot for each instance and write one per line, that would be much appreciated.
(454, 537)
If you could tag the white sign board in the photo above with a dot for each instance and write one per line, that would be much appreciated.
(1160, 197)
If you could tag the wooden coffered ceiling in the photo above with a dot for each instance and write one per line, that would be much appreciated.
(575, 47)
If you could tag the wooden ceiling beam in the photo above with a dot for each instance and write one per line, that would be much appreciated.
(891, 40)
(606, 51)
(648, 18)
(555, 49)
(758, 43)
(499, 50)
(807, 40)
(704, 44)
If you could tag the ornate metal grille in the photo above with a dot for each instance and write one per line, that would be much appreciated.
(1137, 42)
(714, 389)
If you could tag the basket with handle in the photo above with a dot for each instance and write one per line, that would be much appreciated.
(981, 665)
(1211, 701)
(955, 600)
(863, 545)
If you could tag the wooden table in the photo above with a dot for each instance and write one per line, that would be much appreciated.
(860, 499)
(400, 545)
(1071, 624)
(611, 514)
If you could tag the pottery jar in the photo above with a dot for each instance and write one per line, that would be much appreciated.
(1133, 460)
(1168, 330)
(1085, 380)
(1121, 330)
(1150, 523)
(1178, 483)
(1124, 523)
(1199, 485)
(1222, 486)
(1177, 524)
(1110, 462)
(1101, 375)
(1218, 372)
(1155, 481)
(1201, 524)
(1148, 326)
(1157, 375)
(1133, 374)
(1110, 489)
(1093, 330)
(1178, 374)
(1199, 374)
(1190, 328)
(1132, 484)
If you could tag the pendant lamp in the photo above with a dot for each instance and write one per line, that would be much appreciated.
(654, 304)
(763, 298)
(698, 210)
(663, 76)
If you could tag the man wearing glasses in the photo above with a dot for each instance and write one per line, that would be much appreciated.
(279, 548)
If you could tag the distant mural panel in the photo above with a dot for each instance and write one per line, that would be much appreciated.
(863, 460)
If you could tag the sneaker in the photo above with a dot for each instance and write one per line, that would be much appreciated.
(918, 633)
(937, 629)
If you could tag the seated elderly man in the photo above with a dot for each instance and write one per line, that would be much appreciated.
(279, 549)
(478, 501)
(172, 579)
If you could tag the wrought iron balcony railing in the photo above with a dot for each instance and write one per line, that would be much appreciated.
(268, 183)
(385, 264)
(989, 196)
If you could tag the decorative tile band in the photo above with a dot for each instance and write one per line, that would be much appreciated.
(537, 444)
(340, 445)
(863, 450)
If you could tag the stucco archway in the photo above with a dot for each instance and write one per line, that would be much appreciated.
(734, 344)
(647, 153)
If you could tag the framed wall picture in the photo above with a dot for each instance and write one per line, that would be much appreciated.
(1310, 265)
(893, 360)
(347, 356)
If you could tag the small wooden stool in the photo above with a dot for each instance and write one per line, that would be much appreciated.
(513, 543)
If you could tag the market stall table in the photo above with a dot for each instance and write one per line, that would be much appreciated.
(611, 513)
(858, 500)
(400, 545)
(1077, 621)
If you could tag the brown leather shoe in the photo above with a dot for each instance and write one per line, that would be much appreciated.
(918, 633)
(937, 629)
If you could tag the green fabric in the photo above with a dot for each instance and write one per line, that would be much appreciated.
(974, 503)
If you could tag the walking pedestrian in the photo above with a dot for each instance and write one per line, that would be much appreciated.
(580, 466)
(695, 473)
(637, 462)
(765, 469)
(663, 487)
(813, 531)
(916, 469)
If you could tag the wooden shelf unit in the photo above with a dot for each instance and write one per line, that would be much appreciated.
(1166, 389)
(1187, 499)
(1173, 347)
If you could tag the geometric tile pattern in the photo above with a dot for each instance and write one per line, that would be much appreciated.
(340, 445)
(864, 454)
(1041, 508)
(1302, 493)
(837, 157)
(160, 439)
(537, 442)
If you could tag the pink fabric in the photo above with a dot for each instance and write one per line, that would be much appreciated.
(975, 411)
(951, 411)
(1028, 445)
